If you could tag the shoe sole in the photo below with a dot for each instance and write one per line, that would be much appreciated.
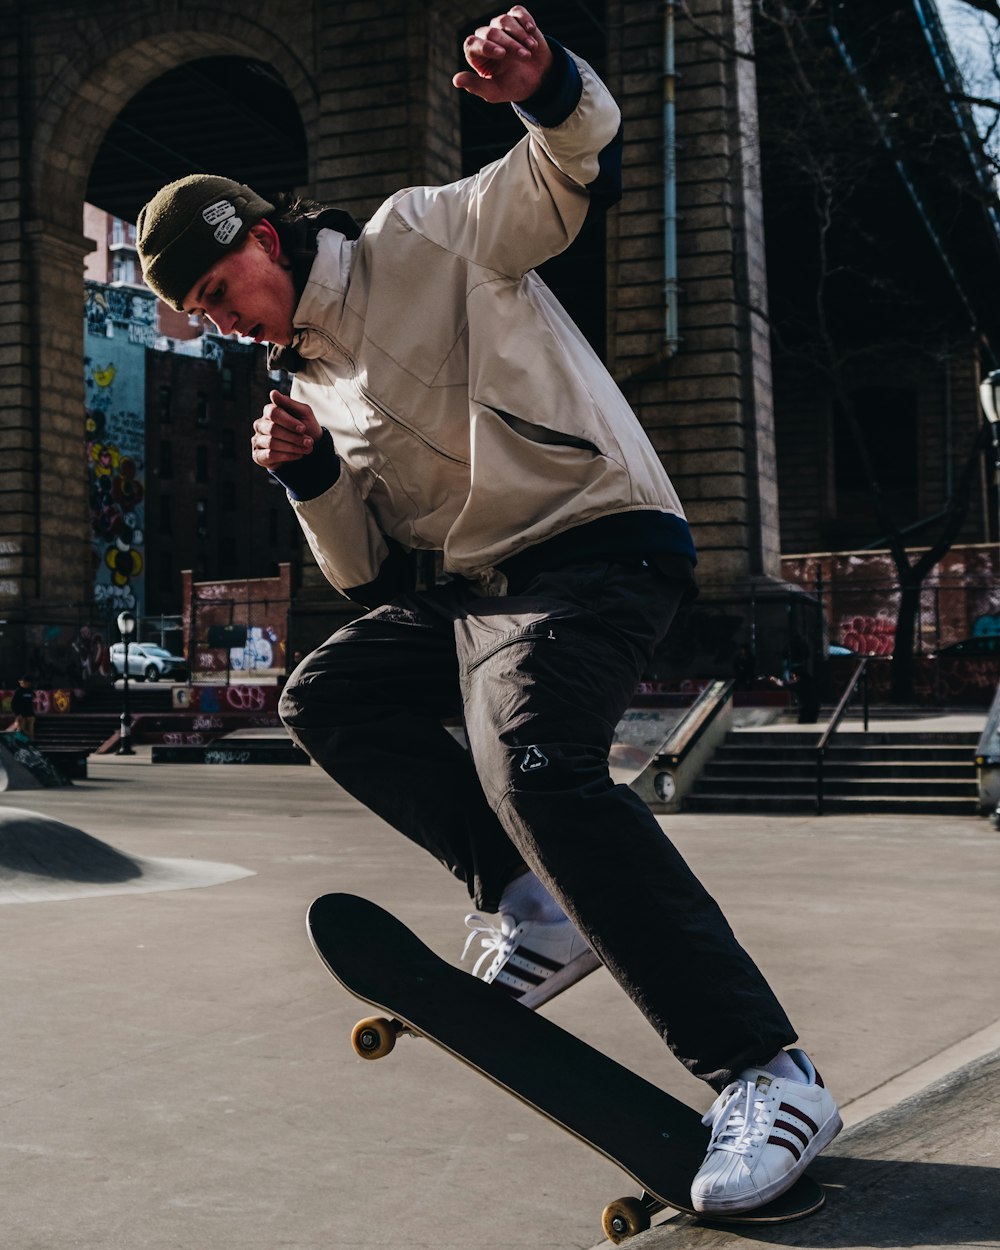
(568, 975)
(733, 1206)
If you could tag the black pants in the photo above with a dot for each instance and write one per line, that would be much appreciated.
(542, 679)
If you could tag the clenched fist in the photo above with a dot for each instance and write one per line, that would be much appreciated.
(286, 430)
(509, 59)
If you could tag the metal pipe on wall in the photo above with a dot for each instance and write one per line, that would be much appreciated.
(670, 283)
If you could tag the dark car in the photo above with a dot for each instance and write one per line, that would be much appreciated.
(978, 644)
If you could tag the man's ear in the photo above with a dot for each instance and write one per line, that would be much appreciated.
(267, 237)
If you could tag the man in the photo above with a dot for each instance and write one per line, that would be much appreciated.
(22, 704)
(444, 401)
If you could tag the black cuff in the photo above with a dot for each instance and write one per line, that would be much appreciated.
(314, 474)
(558, 95)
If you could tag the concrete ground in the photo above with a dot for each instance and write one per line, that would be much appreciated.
(177, 1065)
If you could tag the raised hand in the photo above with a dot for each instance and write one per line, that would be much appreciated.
(509, 59)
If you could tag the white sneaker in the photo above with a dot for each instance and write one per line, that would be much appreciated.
(766, 1130)
(532, 960)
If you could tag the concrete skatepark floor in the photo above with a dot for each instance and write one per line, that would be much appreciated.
(178, 1066)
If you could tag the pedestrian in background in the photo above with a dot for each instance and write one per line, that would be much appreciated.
(22, 704)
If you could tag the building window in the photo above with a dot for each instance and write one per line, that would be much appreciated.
(124, 269)
(165, 402)
(227, 382)
(122, 233)
(229, 496)
(166, 515)
(166, 458)
(201, 463)
(201, 518)
(228, 442)
(166, 578)
(201, 409)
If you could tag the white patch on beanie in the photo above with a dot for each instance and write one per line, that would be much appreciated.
(227, 230)
(217, 212)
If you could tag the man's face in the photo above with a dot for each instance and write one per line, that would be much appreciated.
(249, 291)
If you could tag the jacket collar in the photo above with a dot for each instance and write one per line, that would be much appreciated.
(320, 247)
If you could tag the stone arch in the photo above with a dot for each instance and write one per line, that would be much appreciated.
(110, 63)
(67, 137)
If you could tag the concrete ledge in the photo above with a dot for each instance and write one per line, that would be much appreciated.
(925, 1173)
(246, 751)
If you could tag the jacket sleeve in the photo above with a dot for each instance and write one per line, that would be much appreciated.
(366, 566)
(528, 206)
(330, 505)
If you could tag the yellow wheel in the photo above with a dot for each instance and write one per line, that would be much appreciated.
(623, 1219)
(373, 1038)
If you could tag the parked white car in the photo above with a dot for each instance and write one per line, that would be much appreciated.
(147, 662)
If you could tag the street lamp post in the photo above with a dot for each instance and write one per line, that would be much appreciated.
(989, 397)
(126, 627)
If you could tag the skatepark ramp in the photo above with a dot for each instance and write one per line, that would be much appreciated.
(14, 774)
(24, 767)
(45, 860)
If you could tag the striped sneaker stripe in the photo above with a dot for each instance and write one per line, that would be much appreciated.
(783, 1141)
(800, 1116)
(793, 1129)
(513, 969)
(541, 961)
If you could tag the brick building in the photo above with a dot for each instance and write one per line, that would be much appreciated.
(349, 102)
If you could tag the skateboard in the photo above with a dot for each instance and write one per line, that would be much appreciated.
(659, 1141)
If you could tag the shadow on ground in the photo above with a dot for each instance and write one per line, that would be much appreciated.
(888, 1203)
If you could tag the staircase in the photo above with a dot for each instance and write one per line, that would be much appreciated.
(97, 719)
(888, 771)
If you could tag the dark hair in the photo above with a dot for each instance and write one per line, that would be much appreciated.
(297, 221)
(289, 206)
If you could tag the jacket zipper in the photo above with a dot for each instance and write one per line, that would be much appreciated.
(527, 635)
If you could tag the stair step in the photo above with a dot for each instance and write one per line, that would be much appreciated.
(846, 769)
(897, 771)
(751, 756)
(807, 785)
(867, 805)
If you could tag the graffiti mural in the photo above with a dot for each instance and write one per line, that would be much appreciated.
(869, 635)
(119, 325)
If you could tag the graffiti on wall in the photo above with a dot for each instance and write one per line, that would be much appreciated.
(869, 635)
(115, 378)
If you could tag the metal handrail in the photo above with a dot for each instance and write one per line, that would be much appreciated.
(860, 675)
(698, 717)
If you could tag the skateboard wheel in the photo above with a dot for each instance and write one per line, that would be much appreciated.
(373, 1038)
(623, 1219)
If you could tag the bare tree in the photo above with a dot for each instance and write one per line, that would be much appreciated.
(839, 126)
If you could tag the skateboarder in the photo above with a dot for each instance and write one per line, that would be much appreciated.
(443, 401)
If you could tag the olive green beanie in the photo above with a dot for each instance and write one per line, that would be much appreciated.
(191, 224)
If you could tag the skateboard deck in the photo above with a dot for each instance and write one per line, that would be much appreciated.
(659, 1141)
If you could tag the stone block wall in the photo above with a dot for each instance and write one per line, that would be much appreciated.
(372, 82)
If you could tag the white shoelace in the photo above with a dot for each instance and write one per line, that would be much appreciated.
(738, 1118)
(499, 942)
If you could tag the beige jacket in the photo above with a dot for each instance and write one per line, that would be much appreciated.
(469, 413)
